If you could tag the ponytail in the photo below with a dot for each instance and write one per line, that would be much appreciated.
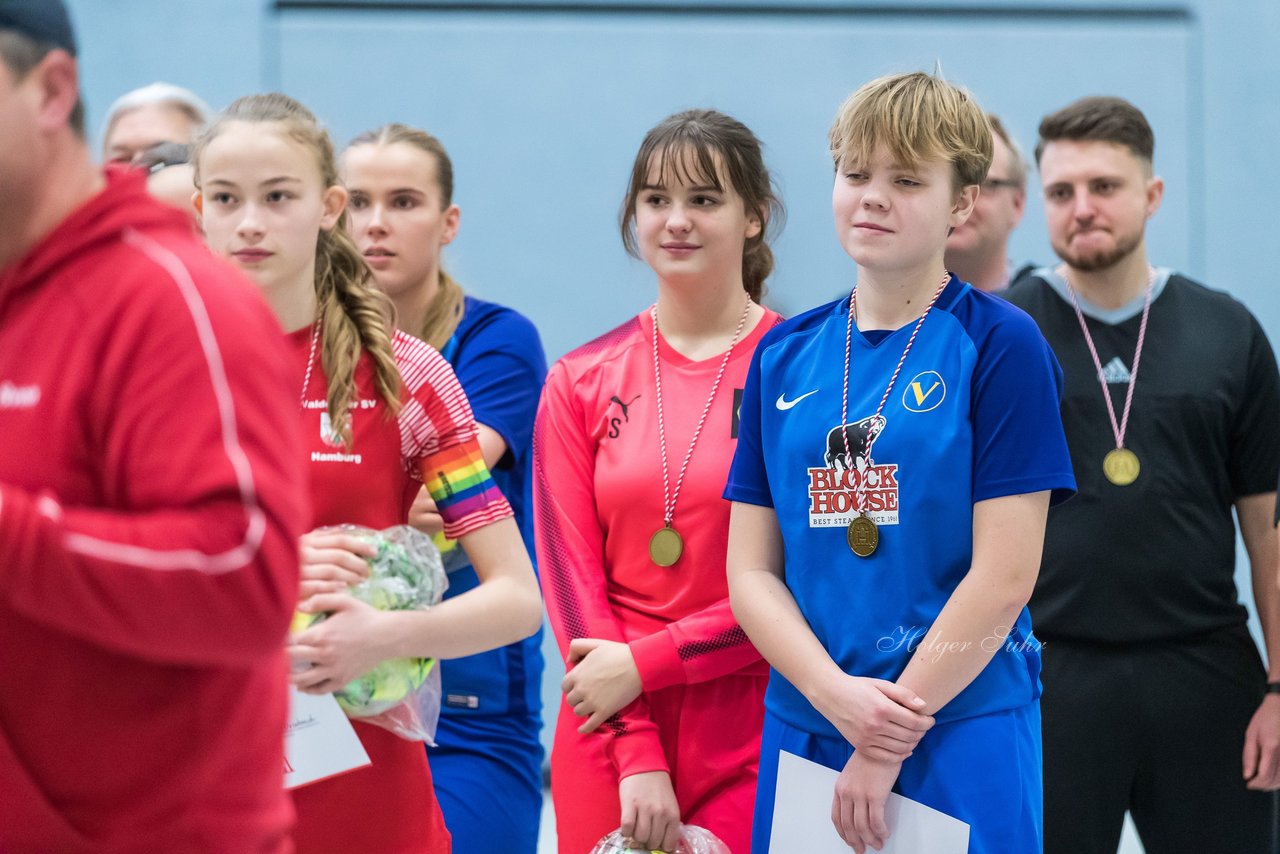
(444, 314)
(757, 264)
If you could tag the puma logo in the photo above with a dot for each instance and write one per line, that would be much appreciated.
(624, 406)
(615, 423)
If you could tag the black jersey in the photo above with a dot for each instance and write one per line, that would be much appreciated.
(1156, 559)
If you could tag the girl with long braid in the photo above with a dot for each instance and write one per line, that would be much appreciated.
(385, 414)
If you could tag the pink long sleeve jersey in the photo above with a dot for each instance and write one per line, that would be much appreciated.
(599, 498)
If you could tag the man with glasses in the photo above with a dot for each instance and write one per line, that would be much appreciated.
(978, 251)
(140, 120)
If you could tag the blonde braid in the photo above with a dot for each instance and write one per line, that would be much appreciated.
(356, 318)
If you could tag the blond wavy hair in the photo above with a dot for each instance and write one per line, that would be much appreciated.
(917, 117)
(445, 312)
(354, 317)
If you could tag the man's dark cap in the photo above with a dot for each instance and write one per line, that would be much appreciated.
(43, 21)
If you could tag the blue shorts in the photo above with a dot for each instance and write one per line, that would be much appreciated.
(984, 770)
(488, 779)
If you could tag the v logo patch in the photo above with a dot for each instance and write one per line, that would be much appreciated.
(926, 391)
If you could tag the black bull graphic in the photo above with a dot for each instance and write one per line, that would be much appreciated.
(859, 435)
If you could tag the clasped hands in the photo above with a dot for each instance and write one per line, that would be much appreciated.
(884, 722)
(602, 680)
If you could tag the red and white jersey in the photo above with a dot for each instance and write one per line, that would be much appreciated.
(388, 806)
(432, 440)
(599, 498)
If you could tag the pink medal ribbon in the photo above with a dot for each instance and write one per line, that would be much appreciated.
(1120, 465)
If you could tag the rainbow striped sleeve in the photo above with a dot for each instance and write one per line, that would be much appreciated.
(463, 489)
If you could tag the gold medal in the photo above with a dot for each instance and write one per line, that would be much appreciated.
(863, 536)
(1121, 466)
(665, 546)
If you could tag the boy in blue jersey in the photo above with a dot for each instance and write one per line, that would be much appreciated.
(897, 454)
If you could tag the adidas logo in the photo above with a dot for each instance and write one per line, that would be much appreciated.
(1114, 372)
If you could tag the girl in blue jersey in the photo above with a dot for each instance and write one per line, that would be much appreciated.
(897, 454)
(487, 766)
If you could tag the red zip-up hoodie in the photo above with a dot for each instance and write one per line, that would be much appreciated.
(151, 496)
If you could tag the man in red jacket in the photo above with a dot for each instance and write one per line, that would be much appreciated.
(150, 500)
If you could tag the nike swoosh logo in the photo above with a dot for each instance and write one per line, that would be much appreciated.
(785, 404)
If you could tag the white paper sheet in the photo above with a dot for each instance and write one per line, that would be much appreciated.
(802, 817)
(319, 742)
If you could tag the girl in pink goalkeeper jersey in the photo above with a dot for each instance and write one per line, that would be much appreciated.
(663, 699)
(383, 413)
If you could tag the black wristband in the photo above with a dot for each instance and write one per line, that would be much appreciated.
(1273, 687)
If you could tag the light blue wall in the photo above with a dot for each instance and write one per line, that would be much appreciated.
(543, 103)
(551, 106)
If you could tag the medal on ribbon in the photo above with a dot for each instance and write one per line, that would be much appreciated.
(862, 535)
(666, 545)
(1120, 466)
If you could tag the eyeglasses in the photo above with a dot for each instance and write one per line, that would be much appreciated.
(992, 184)
(161, 156)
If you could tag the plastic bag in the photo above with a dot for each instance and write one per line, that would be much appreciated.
(401, 694)
(693, 840)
